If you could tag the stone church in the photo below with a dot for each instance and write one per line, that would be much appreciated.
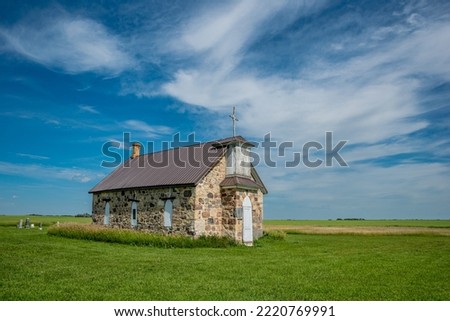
(203, 189)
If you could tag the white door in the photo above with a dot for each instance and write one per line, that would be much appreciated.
(247, 233)
(107, 215)
(134, 214)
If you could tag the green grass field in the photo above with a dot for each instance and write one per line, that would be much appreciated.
(36, 266)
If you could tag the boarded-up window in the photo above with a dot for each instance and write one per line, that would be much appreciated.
(238, 161)
(107, 214)
(168, 208)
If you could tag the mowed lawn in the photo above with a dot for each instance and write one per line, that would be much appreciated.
(35, 266)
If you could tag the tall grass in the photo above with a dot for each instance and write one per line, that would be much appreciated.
(275, 235)
(138, 238)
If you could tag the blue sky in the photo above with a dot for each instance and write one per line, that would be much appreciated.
(76, 74)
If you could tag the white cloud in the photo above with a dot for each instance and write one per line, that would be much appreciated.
(145, 129)
(218, 37)
(31, 156)
(221, 33)
(363, 84)
(364, 88)
(88, 109)
(402, 191)
(71, 44)
(48, 172)
(361, 113)
(365, 99)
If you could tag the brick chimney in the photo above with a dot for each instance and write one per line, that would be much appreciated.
(136, 150)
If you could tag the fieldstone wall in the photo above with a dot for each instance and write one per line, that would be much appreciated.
(233, 198)
(257, 199)
(232, 225)
(215, 210)
(208, 203)
(150, 209)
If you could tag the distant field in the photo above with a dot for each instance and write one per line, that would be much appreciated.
(47, 220)
(372, 227)
(377, 223)
(36, 266)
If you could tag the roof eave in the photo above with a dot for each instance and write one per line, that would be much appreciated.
(92, 191)
(258, 180)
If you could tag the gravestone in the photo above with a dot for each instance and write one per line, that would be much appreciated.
(40, 226)
(20, 224)
(27, 223)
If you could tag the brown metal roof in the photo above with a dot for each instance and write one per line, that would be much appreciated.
(179, 166)
(226, 141)
(238, 181)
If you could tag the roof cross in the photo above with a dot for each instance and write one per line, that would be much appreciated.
(234, 118)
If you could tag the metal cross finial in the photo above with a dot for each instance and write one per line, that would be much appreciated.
(235, 119)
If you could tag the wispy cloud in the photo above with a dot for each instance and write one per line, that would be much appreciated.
(31, 156)
(68, 43)
(365, 85)
(88, 109)
(33, 115)
(48, 172)
(221, 33)
(145, 129)
(403, 191)
(376, 74)
(367, 98)
(64, 121)
(218, 40)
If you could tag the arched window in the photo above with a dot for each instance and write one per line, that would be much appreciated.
(168, 207)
